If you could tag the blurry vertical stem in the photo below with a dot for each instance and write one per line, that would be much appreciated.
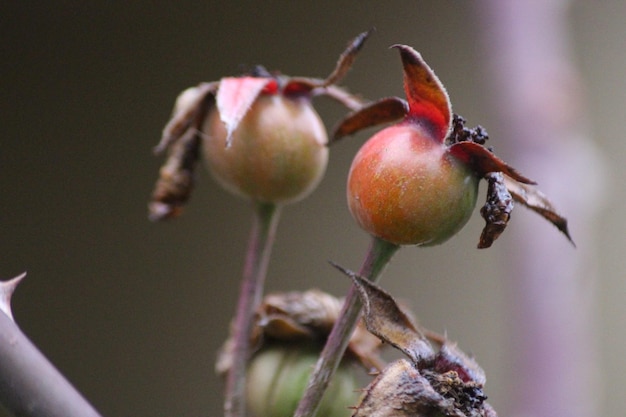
(378, 256)
(262, 235)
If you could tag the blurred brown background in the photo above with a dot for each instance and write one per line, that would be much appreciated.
(134, 312)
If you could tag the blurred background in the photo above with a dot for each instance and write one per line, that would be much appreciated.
(134, 312)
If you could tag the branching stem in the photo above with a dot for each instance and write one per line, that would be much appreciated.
(255, 269)
(378, 256)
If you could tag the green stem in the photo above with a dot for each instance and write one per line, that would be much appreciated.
(378, 256)
(255, 269)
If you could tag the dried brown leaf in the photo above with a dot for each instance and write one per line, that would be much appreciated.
(496, 211)
(385, 110)
(535, 200)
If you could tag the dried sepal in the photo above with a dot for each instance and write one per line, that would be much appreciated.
(535, 200)
(348, 100)
(428, 99)
(234, 98)
(385, 319)
(346, 59)
(483, 161)
(176, 178)
(497, 209)
(327, 87)
(288, 316)
(385, 110)
(307, 318)
(400, 391)
(189, 111)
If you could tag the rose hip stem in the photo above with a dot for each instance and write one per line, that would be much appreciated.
(378, 256)
(260, 245)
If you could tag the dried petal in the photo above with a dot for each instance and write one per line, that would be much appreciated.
(428, 100)
(386, 320)
(382, 111)
(235, 96)
(483, 161)
(535, 200)
(496, 211)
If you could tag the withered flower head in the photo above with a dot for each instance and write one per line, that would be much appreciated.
(437, 380)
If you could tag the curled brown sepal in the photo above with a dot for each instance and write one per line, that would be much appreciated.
(181, 138)
(303, 317)
(7, 288)
(176, 178)
(535, 200)
(346, 59)
(315, 87)
(496, 211)
(385, 319)
(385, 110)
(291, 315)
(188, 112)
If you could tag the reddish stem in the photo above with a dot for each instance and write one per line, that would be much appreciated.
(260, 245)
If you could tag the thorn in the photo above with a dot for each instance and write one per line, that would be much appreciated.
(6, 291)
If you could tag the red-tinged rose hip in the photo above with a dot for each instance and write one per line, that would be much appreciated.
(403, 187)
(277, 153)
